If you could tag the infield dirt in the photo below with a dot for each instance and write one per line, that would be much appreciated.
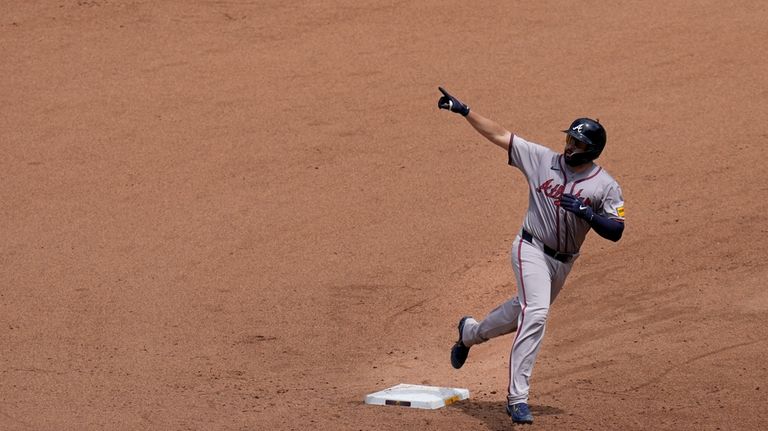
(241, 215)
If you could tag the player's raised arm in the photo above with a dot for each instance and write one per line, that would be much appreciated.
(486, 127)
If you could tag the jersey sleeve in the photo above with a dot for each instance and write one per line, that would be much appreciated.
(525, 155)
(613, 202)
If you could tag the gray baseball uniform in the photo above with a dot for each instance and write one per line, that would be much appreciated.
(543, 253)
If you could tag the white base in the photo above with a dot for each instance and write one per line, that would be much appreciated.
(417, 396)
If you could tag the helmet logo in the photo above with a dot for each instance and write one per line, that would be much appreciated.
(579, 128)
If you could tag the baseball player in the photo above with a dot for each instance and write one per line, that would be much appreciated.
(568, 195)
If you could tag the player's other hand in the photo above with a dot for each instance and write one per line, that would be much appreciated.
(577, 206)
(451, 103)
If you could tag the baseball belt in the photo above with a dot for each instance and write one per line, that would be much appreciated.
(562, 257)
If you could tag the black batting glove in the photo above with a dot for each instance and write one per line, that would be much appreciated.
(452, 103)
(577, 206)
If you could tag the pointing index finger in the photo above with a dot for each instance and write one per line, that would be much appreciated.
(442, 90)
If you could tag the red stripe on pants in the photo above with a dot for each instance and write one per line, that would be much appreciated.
(523, 305)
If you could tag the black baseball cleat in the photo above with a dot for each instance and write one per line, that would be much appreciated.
(520, 413)
(459, 351)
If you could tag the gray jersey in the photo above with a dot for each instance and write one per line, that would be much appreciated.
(548, 178)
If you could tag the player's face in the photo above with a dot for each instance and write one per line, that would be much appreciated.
(573, 146)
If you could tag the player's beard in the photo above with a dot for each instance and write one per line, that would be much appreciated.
(576, 159)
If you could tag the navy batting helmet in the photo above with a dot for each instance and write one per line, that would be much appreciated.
(590, 132)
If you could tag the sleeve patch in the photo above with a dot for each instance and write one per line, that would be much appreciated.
(620, 211)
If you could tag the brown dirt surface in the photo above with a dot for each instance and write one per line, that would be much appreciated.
(241, 215)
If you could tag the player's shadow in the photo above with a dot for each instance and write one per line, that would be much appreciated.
(495, 416)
